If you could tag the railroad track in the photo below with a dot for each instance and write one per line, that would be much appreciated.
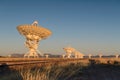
(25, 62)
(22, 63)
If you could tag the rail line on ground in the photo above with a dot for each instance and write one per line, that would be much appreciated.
(38, 61)
(24, 61)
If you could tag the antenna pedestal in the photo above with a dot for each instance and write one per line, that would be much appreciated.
(32, 45)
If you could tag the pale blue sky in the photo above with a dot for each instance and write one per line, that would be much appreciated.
(90, 26)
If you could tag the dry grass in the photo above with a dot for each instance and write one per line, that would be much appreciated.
(62, 71)
(58, 70)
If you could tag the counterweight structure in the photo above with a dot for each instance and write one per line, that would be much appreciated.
(33, 34)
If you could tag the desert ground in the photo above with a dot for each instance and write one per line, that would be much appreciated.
(59, 69)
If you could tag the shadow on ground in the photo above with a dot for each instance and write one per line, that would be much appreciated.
(99, 71)
(8, 74)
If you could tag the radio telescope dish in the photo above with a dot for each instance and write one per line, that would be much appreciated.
(33, 34)
(69, 51)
